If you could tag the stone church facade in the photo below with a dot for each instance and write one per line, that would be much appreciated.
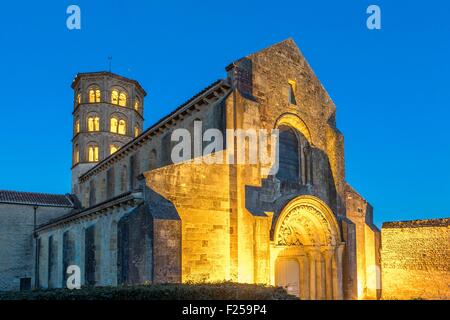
(134, 216)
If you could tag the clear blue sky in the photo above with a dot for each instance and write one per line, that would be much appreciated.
(391, 87)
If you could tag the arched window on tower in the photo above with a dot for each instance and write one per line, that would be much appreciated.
(115, 97)
(137, 104)
(94, 95)
(77, 126)
(79, 98)
(136, 131)
(93, 123)
(113, 148)
(76, 155)
(93, 153)
(114, 125)
(122, 99)
(289, 155)
(122, 127)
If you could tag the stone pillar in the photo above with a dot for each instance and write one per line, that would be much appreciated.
(337, 272)
(59, 260)
(113, 252)
(305, 277)
(312, 275)
(328, 255)
(320, 274)
(303, 290)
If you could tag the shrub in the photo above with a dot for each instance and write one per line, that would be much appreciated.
(188, 291)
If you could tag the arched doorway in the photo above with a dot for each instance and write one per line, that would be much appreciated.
(307, 250)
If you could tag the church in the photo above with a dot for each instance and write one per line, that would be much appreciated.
(134, 216)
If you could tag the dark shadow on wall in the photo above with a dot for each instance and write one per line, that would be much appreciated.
(275, 191)
(149, 242)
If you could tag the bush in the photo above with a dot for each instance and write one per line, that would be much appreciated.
(188, 291)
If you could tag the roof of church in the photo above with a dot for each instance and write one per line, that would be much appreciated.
(38, 199)
(221, 84)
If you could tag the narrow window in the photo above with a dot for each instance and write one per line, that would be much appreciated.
(292, 87)
(93, 153)
(77, 126)
(91, 96)
(76, 155)
(93, 124)
(136, 131)
(79, 98)
(97, 95)
(122, 99)
(112, 149)
(136, 104)
(96, 124)
(114, 125)
(122, 127)
(115, 97)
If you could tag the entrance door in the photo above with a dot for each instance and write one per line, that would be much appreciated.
(288, 275)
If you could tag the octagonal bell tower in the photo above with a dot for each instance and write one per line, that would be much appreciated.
(108, 113)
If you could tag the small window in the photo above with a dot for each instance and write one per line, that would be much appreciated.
(136, 131)
(93, 153)
(137, 104)
(114, 125)
(77, 126)
(122, 99)
(93, 124)
(76, 155)
(115, 97)
(113, 148)
(122, 127)
(79, 98)
(94, 95)
(292, 88)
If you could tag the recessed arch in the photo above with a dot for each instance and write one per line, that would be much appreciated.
(306, 220)
(294, 121)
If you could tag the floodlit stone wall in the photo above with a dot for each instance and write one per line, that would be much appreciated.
(415, 259)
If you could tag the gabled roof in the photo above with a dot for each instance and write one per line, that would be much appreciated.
(35, 199)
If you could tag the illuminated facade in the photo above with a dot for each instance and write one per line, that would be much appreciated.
(141, 218)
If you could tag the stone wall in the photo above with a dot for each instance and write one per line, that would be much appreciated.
(415, 259)
(367, 237)
(111, 243)
(17, 244)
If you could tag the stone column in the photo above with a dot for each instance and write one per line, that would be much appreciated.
(305, 277)
(59, 260)
(320, 274)
(312, 275)
(328, 255)
(337, 273)
(303, 289)
(113, 251)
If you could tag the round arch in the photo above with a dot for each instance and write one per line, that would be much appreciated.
(294, 121)
(306, 220)
(306, 252)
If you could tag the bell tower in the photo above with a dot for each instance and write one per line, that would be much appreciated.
(108, 113)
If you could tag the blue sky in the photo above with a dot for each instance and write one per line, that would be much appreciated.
(390, 86)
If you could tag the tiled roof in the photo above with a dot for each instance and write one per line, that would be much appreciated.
(32, 198)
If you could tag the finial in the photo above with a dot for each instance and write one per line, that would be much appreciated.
(110, 62)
